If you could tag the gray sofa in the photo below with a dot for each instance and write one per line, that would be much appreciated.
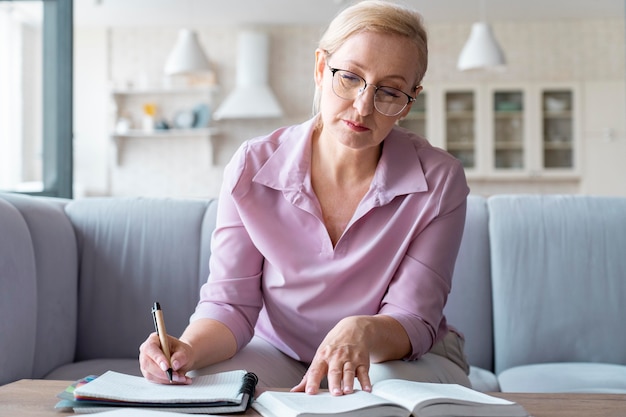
(539, 288)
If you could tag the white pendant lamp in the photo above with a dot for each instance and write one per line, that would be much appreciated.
(481, 51)
(187, 57)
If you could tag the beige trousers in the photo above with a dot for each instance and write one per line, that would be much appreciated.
(445, 363)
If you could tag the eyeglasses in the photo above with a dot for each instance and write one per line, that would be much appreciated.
(387, 100)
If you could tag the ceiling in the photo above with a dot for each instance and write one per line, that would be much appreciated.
(237, 12)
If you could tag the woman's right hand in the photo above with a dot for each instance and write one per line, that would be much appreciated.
(153, 362)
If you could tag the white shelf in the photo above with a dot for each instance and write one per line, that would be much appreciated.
(169, 102)
(138, 133)
(173, 134)
(172, 90)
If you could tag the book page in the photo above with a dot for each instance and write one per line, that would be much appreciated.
(115, 386)
(299, 404)
(434, 399)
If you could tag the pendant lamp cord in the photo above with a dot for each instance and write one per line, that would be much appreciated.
(483, 10)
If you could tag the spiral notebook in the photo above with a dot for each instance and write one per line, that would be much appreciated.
(224, 392)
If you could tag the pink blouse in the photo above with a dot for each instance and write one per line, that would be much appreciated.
(275, 273)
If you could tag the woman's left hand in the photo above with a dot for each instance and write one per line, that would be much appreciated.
(342, 356)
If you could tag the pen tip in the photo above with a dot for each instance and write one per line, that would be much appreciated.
(170, 374)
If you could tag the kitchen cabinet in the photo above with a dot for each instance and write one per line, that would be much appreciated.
(461, 126)
(558, 128)
(509, 124)
(516, 131)
(416, 119)
(532, 130)
(604, 137)
(161, 112)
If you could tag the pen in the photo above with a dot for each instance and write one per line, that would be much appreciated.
(159, 325)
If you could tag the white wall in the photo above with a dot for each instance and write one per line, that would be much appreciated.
(591, 53)
(91, 139)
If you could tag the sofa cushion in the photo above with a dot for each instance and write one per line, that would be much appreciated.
(134, 251)
(76, 370)
(483, 380)
(558, 277)
(565, 377)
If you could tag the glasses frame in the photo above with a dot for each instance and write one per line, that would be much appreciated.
(333, 71)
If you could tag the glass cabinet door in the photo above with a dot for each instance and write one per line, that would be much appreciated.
(508, 130)
(558, 131)
(460, 124)
(415, 120)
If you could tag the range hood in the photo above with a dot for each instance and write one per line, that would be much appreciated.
(252, 97)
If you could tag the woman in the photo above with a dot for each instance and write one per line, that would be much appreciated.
(336, 239)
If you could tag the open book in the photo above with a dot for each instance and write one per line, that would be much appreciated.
(390, 398)
(224, 392)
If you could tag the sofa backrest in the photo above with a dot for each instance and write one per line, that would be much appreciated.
(559, 279)
(133, 252)
(18, 296)
(38, 281)
(469, 305)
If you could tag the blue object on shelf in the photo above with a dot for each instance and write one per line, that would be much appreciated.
(203, 116)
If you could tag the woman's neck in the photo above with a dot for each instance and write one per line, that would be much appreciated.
(341, 165)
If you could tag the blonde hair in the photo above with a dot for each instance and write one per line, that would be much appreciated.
(377, 16)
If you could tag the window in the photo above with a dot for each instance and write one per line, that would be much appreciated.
(36, 97)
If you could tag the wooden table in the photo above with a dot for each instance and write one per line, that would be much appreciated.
(36, 398)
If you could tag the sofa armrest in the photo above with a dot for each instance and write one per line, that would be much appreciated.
(18, 296)
(49, 253)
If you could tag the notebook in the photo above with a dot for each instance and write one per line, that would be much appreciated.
(224, 392)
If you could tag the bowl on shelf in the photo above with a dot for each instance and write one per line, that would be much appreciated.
(555, 104)
(457, 105)
(202, 115)
(184, 119)
(508, 106)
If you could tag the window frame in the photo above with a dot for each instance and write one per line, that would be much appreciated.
(57, 99)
